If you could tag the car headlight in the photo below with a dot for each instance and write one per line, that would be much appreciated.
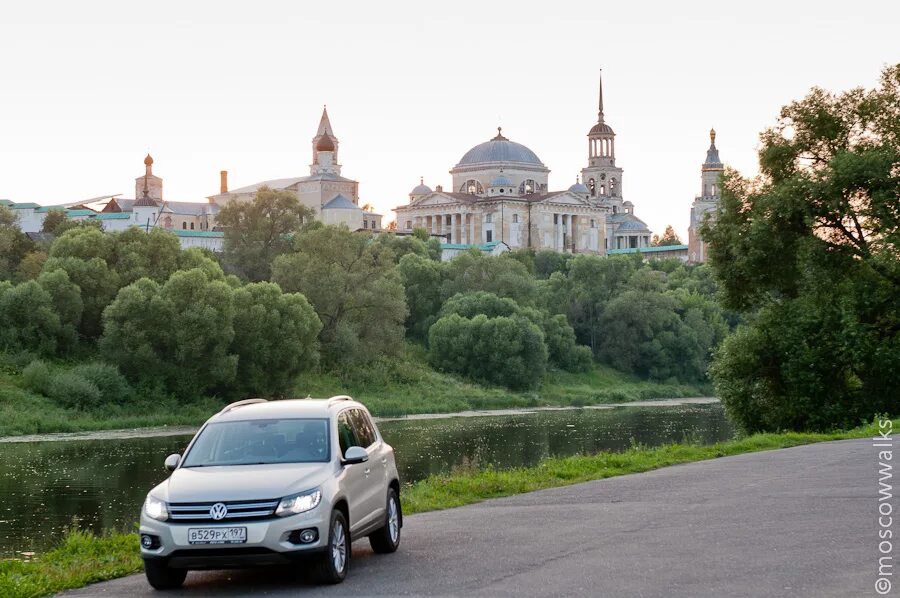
(299, 503)
(156, 509)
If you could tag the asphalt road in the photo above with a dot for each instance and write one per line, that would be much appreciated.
(794, 522)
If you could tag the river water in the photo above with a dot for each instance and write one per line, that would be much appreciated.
(99, 481)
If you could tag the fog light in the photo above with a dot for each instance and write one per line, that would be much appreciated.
(150, 542)
(308, 535)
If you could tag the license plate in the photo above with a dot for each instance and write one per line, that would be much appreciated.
(217, 535)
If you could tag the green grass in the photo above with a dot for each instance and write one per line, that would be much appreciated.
(389, 387)
(83, 558)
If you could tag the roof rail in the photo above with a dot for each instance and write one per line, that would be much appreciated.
(237, 404)
(337, 398)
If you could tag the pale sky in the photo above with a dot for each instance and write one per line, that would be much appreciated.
(88, 88)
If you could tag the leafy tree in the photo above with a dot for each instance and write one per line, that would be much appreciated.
(56, 222)
(274, 338)
(421, 279)
(28, 321)
(547, 262)
(474, 271)
(98, 284)
(402, 245)
(31, 265)
(66, 299)
(258, 231)
(14, 244)
(138, 254)
(178, 333)
(509, 351)
(810, 253)
(669, 238)
(354, 288)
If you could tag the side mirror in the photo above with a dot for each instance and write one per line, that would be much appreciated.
(172, 462)
(355, 454)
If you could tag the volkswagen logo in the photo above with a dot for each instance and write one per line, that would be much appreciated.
(218, 511)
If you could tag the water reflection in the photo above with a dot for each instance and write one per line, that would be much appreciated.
(44, 486)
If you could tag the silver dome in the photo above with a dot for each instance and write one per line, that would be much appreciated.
(500, 149)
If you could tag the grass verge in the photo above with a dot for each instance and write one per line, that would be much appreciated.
(84, 558)
(388, 386)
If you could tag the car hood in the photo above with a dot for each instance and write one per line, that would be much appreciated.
(241, 482)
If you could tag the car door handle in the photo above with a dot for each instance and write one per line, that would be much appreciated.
(368, 471)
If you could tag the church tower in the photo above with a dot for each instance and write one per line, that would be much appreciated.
(149, 181)
(602, 176)
(708, 200)
(325, 148)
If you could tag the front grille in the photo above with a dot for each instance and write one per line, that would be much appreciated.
(240, 510)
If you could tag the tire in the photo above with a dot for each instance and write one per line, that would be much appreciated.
(332, 566)
(161, 576)
(387, 539)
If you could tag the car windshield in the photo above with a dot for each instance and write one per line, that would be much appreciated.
(259, 442)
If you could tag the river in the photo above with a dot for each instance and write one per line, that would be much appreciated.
(98, 481)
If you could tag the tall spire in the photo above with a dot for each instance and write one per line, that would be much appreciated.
(324, 124)
(713, 162)
(600, 113)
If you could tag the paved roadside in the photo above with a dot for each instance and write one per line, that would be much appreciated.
(793, 522)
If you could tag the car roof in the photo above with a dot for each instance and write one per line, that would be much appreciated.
(284, 408)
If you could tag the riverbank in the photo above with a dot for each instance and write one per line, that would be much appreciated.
(83, 558)
(389, 388)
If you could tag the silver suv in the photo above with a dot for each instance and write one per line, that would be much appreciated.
(272, 483)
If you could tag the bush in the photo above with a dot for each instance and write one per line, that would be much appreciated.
(509, 351)
(73, 391)
(113, 386)
(36, 377)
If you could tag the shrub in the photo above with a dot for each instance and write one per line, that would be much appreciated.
(71, 390)
(509, 351)
(113, 386)
(36, 377)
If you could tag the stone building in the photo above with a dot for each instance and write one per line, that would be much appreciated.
(707, 202)
(333, 197)
(500, 193)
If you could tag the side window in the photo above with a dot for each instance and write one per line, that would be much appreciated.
(365, 431)
(346, 434)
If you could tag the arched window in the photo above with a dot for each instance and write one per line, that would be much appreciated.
(472, 187)
(714, 189)
(612, 186)
(488, 218)
(192, 226)
(184, 226)
(602, 189)
(593, 187)
(515, 218)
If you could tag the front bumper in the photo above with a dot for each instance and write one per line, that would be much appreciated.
(268, 542)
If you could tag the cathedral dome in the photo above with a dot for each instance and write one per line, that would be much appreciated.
(580, 189)
(501, 181)
(601, 129)
(421, 189)
(325, 144)
(500, 149)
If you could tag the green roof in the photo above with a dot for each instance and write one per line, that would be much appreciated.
(212, 234)
(113, 216)
(647, 249)
(463, 246)
(18, 206)
(78, 213)
(48, 208)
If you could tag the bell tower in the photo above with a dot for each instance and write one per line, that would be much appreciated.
(602, 176)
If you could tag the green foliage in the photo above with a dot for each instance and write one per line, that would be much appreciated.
(808, 253)
(28, 320)
(419, 243)
(504, 277)
(421, 278)
(97, 282)
(85, 387)
(355, 289)
(31, 265)
(73, 391)
(258, 231)
(509, 351)
(14, 244)
(547, 262)
(57, 222)
(36, 376)
(66, 298)
(669, 238)
(113, 386)
(178, 333)
(274, 338)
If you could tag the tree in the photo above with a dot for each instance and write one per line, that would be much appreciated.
(14, 244)
(421, 279)
(547, 262)
(509, 351)
(274, 338)
(668, 239)
(28, 321)
(177, 334)
(56, 222)
(474, 271)
(354, 288)
(258, 231)
(809, 252)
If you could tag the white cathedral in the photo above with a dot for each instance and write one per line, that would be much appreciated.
(500, 194)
